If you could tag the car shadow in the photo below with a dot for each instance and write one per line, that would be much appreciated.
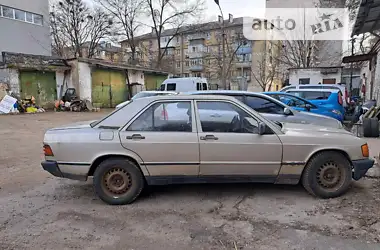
(193, 191)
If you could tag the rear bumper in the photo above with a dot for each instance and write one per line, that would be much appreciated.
(53, 168)
(361, 167)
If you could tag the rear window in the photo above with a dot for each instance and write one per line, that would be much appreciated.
(171, 87)
(201, 86)
(312, 95)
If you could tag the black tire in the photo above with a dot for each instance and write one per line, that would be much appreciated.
(316, 182)
(374, 127)
(367, 128)
(114, 172)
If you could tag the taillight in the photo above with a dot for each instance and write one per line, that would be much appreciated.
(340, 99)
(48, 151)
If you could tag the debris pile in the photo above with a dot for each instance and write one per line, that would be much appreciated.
(71, 102)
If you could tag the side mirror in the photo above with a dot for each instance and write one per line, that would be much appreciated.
(287, 111)
(262, 128)
(308, 107)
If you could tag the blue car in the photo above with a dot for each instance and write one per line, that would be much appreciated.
(301, 104)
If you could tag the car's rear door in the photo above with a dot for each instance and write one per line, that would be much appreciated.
(167, 144)
(227, 150)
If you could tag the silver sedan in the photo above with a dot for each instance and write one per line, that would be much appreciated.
(142, 144)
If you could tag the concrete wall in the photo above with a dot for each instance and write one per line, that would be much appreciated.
(22, 37)
(136, 77)
(11, 76)
(314, 75)
(84, 81)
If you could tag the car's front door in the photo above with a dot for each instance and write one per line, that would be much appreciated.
(167, 144)
(228, 149)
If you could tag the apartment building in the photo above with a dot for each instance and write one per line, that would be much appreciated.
(103, 51)
(24, 25)
(197, 51)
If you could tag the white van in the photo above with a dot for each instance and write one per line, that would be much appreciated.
(185, 84)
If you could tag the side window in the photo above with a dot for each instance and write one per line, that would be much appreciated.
(225, 118)
(263, 105)
(165, 117)
(292, 101)
(162, 88)
(171, 87)
(204, 86)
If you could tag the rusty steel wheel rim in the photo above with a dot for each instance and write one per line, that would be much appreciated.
(117, 182)
(329, 175)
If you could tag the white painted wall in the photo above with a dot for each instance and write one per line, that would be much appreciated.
(14, 80)
(314, 75)
(84, 81)
(376, 83)
(136, 76)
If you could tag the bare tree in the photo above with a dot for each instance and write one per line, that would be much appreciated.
(127, 16)
(213, 59)
(74, 24)
(170, 14)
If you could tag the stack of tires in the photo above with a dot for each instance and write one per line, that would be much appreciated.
(370, 127)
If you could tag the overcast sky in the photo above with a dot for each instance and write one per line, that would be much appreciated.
(238, 8)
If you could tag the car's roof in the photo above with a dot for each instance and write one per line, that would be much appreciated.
(224, 92)
(184, 97)
(314, 90)
(157, 92)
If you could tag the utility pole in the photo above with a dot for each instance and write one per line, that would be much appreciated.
(352, 65)
(224, 82)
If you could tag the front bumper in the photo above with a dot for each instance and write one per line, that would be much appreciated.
(361, 167)
(53, 168)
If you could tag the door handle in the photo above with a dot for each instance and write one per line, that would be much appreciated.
(135, 137)
(209, 137)
(215, 115)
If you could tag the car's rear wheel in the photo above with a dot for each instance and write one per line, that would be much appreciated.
(118, 181)
(327, 175)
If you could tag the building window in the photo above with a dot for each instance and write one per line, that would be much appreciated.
(20, 15)
(304, 81)
(187, 63)
(178, 64)
(29, 17)
(194, 49)
(7, 12)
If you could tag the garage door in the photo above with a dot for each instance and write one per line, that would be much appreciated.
(152, 82)
(41, 85)
(108, 88)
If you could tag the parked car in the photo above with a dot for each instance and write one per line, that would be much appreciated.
(301, 104)
(274, 109)
(130, 148)
(341, 87)
(184, 84)
(328, 98)
(145, 94)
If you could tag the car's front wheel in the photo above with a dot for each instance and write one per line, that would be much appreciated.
(327, 175)
(118, 181)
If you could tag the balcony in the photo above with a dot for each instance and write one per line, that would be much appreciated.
(195, 68)
(196, 55)
(197, 37)
(243, 64)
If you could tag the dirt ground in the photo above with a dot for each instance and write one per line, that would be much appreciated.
(39, 211)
